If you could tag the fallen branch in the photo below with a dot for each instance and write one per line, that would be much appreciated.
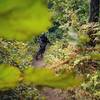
(60, 64)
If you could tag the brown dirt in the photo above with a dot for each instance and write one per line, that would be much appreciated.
(69, 94)
(38, 63)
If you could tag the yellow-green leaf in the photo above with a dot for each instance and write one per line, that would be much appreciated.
(9, 77)
(21, 19)
(46, 77)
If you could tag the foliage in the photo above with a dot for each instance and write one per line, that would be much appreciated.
(39, 77)
(69, 51)
(76, 54)
(65, 11)
(21, 92)
(95, 55)
(16, 53)
(69, 15)
(20, 19)
(9, 77)
(92, 83)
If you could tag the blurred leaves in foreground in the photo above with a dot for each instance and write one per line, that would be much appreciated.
(47, 77)
(11, 77)
(21, 19)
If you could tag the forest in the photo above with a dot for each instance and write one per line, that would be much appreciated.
(49, 50)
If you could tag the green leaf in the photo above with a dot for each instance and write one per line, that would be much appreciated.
(9, 77)
(84, 38)
(21, 19)
(95, 55)
(46, 77)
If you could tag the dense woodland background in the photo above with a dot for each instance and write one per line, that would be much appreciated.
(70, 67)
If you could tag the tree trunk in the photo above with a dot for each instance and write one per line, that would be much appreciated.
(93, 17)
(94, 11)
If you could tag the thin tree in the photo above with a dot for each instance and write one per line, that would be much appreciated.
(93, 17)
(94, 11)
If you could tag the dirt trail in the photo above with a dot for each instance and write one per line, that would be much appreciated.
(49, 93)
(58, 94)
(38, 63)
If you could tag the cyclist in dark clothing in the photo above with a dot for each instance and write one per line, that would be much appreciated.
(43, 41)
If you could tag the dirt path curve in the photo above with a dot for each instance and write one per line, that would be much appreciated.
(49, 93)
(58, 94)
